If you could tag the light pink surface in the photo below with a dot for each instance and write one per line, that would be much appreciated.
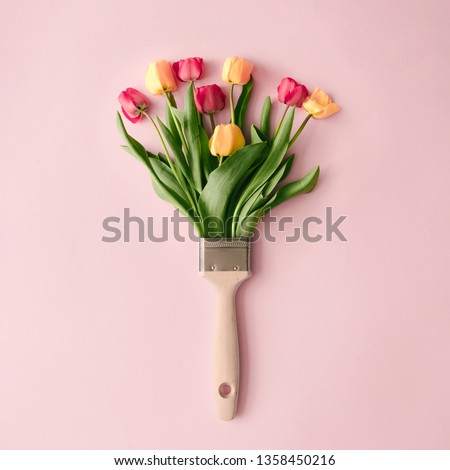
(344, 345)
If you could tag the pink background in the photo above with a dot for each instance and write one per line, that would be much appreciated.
(344, 345)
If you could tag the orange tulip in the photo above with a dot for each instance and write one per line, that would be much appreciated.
(227, 138)
(236, 71)
(320, 105)
(160, 78)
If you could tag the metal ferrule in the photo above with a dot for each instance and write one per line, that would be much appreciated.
(225, 254)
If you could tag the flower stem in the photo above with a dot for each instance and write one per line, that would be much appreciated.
(300, 129)
(213, 124)
(232, 103)
(177, 124)
(198, 225)
(220, 160)
(281, 121)
(169, 160)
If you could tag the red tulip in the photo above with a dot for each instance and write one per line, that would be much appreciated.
(209, 99)
(188, 69)
(291, 92)
(134, 104)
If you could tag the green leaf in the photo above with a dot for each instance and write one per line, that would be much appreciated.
(172, 101)
(209, 161)
(254, 200)
(259, 197)
(178, 115)
(171, 195)
(171, 125)
(136, 147)
(246, 177)
(164, 182)
(248, 225)
(172, 191)
(256, 135)
(288, 191)
(279, 175)
(177, 151)
(271, 162)
(241, 106)
(304, 185)
(163, 158)
(192, 132)
(265, 118)
(225, 180)
(149, 154)
(276, 153)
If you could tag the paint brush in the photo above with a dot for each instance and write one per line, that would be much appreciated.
(225, 262)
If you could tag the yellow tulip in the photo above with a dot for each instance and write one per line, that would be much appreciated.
(320, 105)
(226, 139)
(160, 78)
(236, 71)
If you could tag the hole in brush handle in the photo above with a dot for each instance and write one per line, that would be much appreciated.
(225, 390)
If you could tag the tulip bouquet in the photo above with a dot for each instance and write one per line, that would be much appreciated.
(221, 182)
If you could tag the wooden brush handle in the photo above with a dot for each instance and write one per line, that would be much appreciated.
(226, 354)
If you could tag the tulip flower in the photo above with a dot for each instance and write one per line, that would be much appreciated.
(134, 104)
(160, 78)
(320, 105)
(292, 93)
(236, 71)
(188, 69)
(226, 139)
(209, 99)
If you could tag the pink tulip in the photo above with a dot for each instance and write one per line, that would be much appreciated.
(134, 104)
(291, 92)
(188, 69)
(209, 99)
